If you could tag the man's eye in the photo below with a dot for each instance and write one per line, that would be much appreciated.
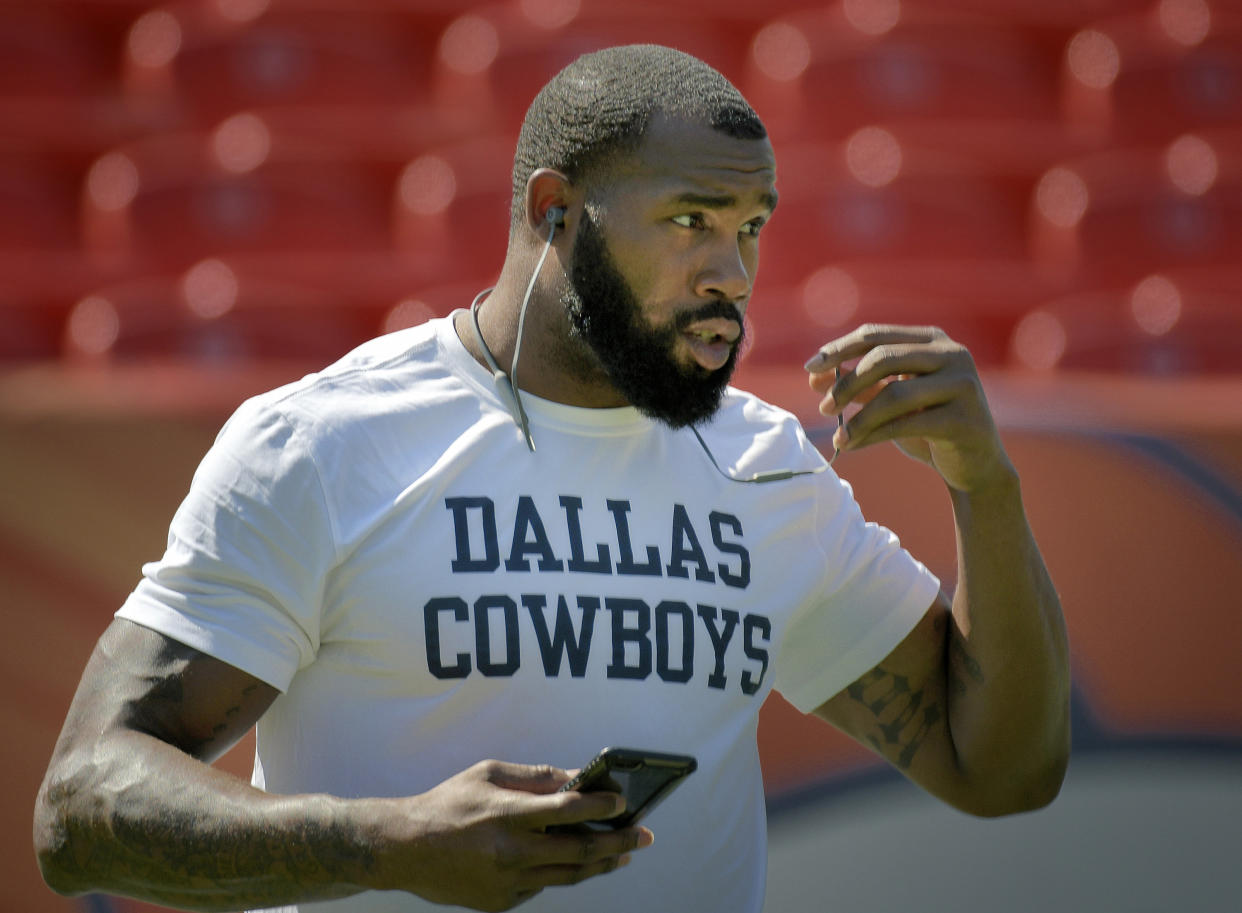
(753, 228)
(689, 220)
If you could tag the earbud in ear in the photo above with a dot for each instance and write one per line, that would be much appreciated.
(556, 216)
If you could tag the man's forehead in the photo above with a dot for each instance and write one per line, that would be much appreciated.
(699, 158)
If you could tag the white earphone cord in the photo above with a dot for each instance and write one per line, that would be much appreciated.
(521, 327)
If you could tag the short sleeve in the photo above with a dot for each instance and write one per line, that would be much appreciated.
(248, 552)
(872, 594)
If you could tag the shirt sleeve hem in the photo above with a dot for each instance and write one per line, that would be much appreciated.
(218, 643)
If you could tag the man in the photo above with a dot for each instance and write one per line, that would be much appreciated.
(418, 560)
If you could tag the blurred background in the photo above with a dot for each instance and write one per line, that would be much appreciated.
(201, 200)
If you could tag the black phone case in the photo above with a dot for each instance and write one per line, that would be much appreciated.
(661, 773)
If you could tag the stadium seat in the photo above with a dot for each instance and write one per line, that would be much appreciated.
(978, 302)
(43, 55)
(1106, 218)
(38, 290)
(822, 73)
(452, 204)
(1152, 74)
(60, 100)
(871, 197)
(1157, 326)
(38, 206)
(213, 314)
(31, 324)
(169, 200)
(1031, 15)
(496, 57)
(190, 56)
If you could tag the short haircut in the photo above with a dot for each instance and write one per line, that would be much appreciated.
(601, 104)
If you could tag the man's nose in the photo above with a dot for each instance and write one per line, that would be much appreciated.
(726, 274)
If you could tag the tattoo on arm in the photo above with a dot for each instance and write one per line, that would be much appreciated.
(903, 719)
(904, 715)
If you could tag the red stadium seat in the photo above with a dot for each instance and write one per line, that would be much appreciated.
(32, 320)
(168, 201)
(495, 58)
(213, 314)
(872, 197)
(451, 206)
(1110, 217)
(60, 102)
(1158, 326)
(1155, 73)
(193, 57)
(977, 302)
(38, 291)
(43, 55)
(824, 72)
(1033, 15)
(38, 206)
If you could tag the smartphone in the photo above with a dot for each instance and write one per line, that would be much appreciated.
(645, 778)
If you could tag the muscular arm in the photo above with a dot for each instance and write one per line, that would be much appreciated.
(130, 806)
(974, 704)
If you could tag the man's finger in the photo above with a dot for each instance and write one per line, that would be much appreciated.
(532, 778)
(560, 809)
(551, 875)
(863, 340)
(591, 846)
(882, 364)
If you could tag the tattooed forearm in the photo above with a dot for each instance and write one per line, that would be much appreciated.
(205, 852)
(174, 859)
(903, 716)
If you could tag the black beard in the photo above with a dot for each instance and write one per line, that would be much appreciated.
(639, 359)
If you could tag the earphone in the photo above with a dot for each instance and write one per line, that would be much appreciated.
(555, 216)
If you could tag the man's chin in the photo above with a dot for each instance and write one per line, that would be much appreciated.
(696, 400)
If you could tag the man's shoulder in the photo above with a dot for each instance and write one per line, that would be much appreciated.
(367, 379)
(751, 434)
(742, 406)
(391, 378)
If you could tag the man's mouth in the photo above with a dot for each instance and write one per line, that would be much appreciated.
(711, 341)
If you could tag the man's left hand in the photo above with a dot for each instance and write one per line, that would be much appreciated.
(917, 388)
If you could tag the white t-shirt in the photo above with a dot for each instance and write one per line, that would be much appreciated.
(377, 542)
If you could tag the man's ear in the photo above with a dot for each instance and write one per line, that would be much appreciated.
(550, 200)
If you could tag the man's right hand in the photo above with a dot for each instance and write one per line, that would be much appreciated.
(480, 839)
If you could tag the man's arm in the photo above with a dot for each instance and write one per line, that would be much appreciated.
(130, 806)
(974, 704)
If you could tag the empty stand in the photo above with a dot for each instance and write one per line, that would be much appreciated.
(37, 206)
(1109, 217)
(31, 324)
(978, 302)
(170, 200)
(871, 197)
(43, 55)
(1155, 72)
(1030, 15)
(214, 314)
(207, 65)
(1159, 326)
(496, 57)
(38, 290)
(452, 204)
(826, 71)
